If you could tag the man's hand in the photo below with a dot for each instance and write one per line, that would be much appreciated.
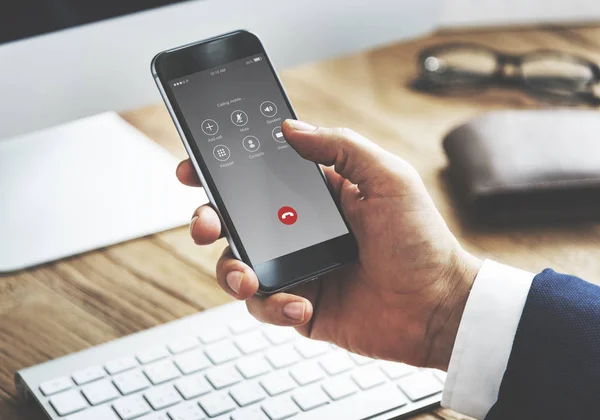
(404, 298)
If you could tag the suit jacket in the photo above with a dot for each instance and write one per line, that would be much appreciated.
(554, 368)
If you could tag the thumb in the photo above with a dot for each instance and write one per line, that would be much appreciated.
(353, 156)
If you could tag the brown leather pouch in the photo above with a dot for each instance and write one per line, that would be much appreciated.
(511, 167)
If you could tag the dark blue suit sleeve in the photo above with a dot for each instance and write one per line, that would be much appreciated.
(554, 367)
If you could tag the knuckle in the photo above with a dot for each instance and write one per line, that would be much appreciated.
(408, 171)
(226, 253)
(255, 308)
(200, 209)
(343, 134)
(347, 133)
(251, 309)
(225, 257)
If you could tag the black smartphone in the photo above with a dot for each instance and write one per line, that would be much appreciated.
(277, 208)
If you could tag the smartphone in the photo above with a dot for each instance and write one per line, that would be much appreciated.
(278, 211)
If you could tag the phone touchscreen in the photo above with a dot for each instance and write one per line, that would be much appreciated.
(278, 202)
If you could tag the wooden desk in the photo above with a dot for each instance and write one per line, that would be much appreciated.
(80, 302)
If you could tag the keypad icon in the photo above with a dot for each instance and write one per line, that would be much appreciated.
(221, 153)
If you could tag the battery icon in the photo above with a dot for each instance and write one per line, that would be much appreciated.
(257, 59)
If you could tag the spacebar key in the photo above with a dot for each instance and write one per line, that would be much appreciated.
(103, 412)
(363, 405)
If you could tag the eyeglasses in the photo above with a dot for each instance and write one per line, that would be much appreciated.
(469, 68)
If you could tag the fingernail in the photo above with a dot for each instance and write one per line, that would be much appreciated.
(234, 281)
(192, 223)
(300, 125)
(294, 310)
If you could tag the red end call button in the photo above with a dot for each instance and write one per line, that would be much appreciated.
(287, 215)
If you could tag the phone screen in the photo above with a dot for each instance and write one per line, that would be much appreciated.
(278, 202)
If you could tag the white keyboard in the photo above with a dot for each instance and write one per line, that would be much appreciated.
(222, 364)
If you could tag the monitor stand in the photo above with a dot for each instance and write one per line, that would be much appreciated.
(82, 186)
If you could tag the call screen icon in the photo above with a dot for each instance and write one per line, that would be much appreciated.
(287, 215)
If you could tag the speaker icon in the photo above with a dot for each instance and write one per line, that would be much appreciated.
(268, 109)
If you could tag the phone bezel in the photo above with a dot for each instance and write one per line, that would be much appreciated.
(303, 265)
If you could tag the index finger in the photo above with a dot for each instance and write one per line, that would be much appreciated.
(186, 174)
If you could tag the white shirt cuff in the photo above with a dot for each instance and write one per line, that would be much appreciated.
(485, 338)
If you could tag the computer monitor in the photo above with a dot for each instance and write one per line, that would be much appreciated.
(63, 60)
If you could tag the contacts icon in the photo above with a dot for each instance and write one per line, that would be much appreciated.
(251, 143)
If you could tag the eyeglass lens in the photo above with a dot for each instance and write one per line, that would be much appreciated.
(556, 74)
(552, 72)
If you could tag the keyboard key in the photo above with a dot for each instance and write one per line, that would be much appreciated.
(160, 372)
(100, 392)
(340, 387)
(277, 383)
(336, 362)
(130, 382)
(396, 370)
(217, 403)
(193, 386)
(361, 360)
(222, 352)
(120, 365)
(420, 385)
(250, 413)
(279, 335)
(103, 412)
(56, 385)
(223, 376)
(253, 366)
(152, 355)
(311, 348)
(243, 324)
(131, 407)
(185, 344)
(68, 402)
(192, 361)
(247, 393)
(90, 374)
(368, 377)
(307, 373)
(155, 416)
(282, 356)
(213, 335)
(162, 397)
(366, 404)
(310, 398)
(251, 342)
(187, 411)
(280, 408)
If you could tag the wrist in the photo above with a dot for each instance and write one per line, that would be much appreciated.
(443, 328)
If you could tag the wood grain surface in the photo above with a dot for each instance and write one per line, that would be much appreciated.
(73, 304)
